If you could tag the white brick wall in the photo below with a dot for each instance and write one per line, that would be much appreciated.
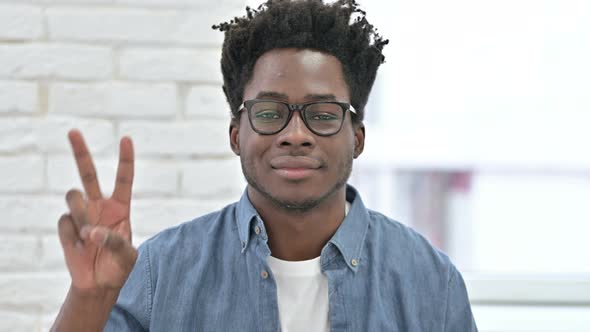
(23, 173)
(55, 60)
(114, 25)
(145, 68)
(18, 322)
(18, 253)
(181, 138)
(177, 64)
(203, 101)
(18, 96)
(20, 22)
(114, 100)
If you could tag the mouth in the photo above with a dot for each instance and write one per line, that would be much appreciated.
(295, 168)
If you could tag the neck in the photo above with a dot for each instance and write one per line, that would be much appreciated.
(296, 235)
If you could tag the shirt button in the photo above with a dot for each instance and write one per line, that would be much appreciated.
(257, 230)
(354, 262)
(264, 274)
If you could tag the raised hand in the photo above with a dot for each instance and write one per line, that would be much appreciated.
(96, 234)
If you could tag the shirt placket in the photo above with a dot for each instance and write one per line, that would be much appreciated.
(335, 272)
(268, 303)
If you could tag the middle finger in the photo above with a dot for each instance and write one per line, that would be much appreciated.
(85, 164)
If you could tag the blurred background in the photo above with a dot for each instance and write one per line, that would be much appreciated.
(477, 134)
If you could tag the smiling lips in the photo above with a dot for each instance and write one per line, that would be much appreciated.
(295, 168)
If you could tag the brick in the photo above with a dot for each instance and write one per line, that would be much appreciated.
(137, 240)
(191, 27)
(113, 99)
(24, 213)
(77, 2)
(18, 322)
(62, 174)
(206, 137)
(20, 22)
(52, 257)
(201, 4)
(51, 135)
(187, 65)
(151, 177)
(73, 2)
(21, 173)
(20, 97)
(213, 178)
(17, 134)
(27, 291)
(155, 178)
(18, 252)
(46, 60)
(47, 319)
(150, 216)
(204, 102)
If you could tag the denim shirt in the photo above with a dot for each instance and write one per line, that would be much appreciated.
(211, 274)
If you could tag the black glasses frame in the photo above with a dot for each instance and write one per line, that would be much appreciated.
(296, 107)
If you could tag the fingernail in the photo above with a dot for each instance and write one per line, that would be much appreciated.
(99, 237)
(85, 232)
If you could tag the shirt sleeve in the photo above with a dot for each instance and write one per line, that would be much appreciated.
(133, 308)
(458, 315)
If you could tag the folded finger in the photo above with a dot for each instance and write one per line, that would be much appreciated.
(78, 209)
(121, 249)
(68, 234)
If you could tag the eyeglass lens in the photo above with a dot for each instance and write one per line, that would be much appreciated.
(321, 118)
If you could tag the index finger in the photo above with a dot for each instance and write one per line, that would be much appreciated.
(85, 165)
(124, 181)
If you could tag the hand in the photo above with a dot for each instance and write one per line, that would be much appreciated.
(96, 234)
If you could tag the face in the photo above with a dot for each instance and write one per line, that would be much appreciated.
(296, 169)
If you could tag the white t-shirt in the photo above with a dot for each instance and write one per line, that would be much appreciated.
(302, 292)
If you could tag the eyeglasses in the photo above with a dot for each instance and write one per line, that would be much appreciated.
(268, 117)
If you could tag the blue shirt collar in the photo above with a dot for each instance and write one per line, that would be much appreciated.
(350, 236)
(348, 239)
(245, 214)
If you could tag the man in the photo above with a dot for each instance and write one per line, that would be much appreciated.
(299, 250)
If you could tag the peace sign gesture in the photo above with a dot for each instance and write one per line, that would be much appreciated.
(96, 234)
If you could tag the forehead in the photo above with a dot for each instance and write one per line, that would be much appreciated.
(297, 73)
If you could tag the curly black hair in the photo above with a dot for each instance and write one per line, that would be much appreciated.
(340, 29)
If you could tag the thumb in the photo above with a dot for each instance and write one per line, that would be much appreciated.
(121, 249)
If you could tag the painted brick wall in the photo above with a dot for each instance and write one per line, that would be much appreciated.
(144, 68)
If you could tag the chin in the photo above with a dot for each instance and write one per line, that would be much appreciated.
(295, 195)
(298, 206)
(299, 198)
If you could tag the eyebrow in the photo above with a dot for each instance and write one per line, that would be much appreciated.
(271, 94)
(328, 96)
(278, 95)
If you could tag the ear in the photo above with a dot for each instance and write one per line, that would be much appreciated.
(234, 136)
(359, 139)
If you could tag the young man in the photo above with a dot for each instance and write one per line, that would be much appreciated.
(299, 251)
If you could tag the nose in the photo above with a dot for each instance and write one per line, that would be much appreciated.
(296, 134)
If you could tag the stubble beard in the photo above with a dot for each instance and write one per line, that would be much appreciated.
(303, 206)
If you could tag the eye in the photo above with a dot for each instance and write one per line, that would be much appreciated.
(324, 117)
(268, 114)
